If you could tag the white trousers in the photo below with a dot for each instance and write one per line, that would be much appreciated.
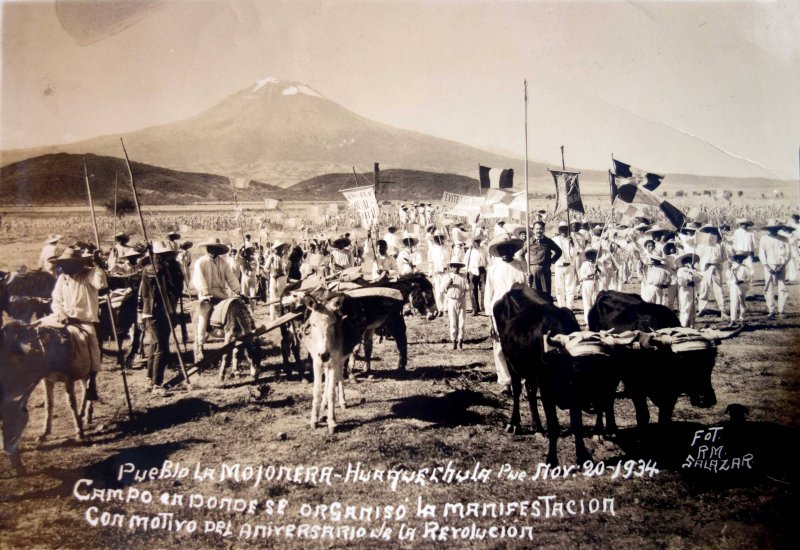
(687, 309)
(456, 313)
(566, 279)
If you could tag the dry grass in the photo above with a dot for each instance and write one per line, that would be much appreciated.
(446, 408)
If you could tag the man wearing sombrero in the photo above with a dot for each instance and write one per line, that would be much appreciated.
(173, 243)
(504, 272)
(213, 279)
(118, 249)
(455, 287)
(774, 253)
(712, 254)
(739, 277)
(687, 278)
(75, 301)
(744, 241)
(407, 258)
(437, 264)
(49, 250)
(276, 265)
(341, 255)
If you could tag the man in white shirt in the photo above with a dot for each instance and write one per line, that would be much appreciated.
(565, 267)
(774, 254)
(711, 252)
(213, 279)
(743, 241)
(438, 258)
(501, 276)
(75, 301)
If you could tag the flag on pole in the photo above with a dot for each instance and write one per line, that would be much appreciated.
(629, 195)
(568, 192)
(495, 178)
(635, 175)
(271, 204)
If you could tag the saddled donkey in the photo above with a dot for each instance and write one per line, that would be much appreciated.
(335, 325)
(28, 355)
(229, 320)
(417, 290)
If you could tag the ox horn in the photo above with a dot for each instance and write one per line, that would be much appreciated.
(716, 334)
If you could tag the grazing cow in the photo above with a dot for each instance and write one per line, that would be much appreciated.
(30, 354)
(335, 325)
(27, 294)
(545, 348)
(670, 360)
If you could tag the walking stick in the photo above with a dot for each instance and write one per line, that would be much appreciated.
(161, 293)
(120, 362)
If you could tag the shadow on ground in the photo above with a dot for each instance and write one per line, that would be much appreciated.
(449, 410)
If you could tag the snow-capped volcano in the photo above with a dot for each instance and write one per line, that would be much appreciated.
(281, 132)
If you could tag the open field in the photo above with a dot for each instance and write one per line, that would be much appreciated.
(446, 411)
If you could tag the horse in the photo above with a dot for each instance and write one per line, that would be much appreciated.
(28, 355)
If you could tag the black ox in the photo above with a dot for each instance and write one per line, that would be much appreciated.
(668, 361)
(534, 335)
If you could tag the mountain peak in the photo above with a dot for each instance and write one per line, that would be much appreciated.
(271, 84)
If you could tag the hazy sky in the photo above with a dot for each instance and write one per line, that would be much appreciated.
(705, 88)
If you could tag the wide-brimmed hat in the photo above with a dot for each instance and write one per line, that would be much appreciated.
(439, 237)
(656, 230)
(775, 223)
(186, 245)
(340, 243)
(279, 243)
(741, 256)
(215, 244)
(504, 239)
(71, 256)
(680, 258)
(562, 224)
(590, 253)
(131, 253)
(456, 263)
(121, 236)
(409, 240)
(642, 227)
(174, 234)
(52, 238)
(668, 244)
(519, 232)
(710, 229)
(744, 221)
(162, 248)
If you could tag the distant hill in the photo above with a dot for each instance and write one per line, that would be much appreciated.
(396, 185)
(58, 179)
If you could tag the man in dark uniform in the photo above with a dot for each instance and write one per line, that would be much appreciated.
(542, 253)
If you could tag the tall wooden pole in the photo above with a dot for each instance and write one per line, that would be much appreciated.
(527, 196)
(564, 168)
(161, 293)
(120, 362)
(116, 185)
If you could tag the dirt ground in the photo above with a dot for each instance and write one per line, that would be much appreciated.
(167, 477)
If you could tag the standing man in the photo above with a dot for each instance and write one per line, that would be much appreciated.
(276, 266)
(476, 260)
(774, 253)
(75, 301)
(504, 272)
(118, 250)
(565, 267)
(173, 243)
(152, 313)
(712, 254)
(213, 279)
(744, 242)
(437, 262)
(542, 253)
(49, 250)
(455, 286)
(341, 256)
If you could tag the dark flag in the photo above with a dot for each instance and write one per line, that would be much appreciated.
(630, 194)
(612, 183)
(640, 177)
(568, 192)
(495, 178)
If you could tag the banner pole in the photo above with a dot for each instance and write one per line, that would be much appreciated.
(161, 292)
(120, 362)
(527, 196)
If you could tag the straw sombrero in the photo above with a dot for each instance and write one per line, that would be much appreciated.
(71, 256)
(278, 244)
(775, 223)
(174, 234)
(682, 257)
(409, 240)
(590, 253)
(456, 263)
(52, 238)
(214, 244)
(745, 222)
(340, 243)
(504, 239)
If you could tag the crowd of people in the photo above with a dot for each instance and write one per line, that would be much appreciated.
(683, 269)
